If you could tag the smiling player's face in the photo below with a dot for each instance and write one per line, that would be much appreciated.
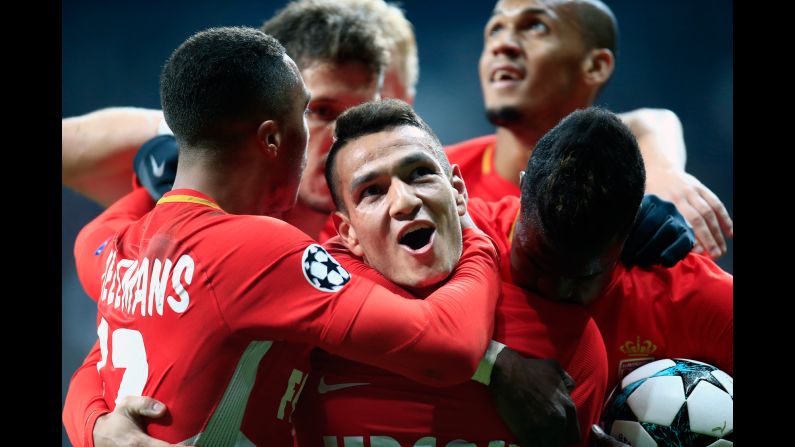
(401, 209)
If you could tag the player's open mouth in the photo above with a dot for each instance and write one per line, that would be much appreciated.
(506, 73)
(418, 239)
(506, 77)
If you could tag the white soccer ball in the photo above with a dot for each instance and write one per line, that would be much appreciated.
(677, 402)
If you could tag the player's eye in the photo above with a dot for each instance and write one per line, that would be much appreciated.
(321, 112)
(493, 29)
(420, 172)
(371, 191)
(536, 26)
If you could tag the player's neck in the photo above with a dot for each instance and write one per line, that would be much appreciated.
(306, 219)
(512, 151)
(240, 193)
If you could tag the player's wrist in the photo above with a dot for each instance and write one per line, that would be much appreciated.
(96, 416)
(486, 366)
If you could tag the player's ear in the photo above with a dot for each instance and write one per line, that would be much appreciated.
(269, 137)
(598, 66)
(347, 233)
(460, 188)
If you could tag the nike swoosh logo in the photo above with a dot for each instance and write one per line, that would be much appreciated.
(324, 388)
(157, 169)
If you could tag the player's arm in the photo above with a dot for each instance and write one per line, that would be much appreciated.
(439, 340)
(90, 256)
(84, 401)
(88, 420)
(97, 149)
(661, 141)
(589, 367)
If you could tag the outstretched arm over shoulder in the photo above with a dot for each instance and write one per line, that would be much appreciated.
(661, 141)
(97, 149)
(438, 341)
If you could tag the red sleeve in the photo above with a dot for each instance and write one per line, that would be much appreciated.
(84, 401)
(588, 367)
(90, 257)
(438, 341)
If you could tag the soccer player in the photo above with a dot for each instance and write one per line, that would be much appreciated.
(202, 292)
(385, 165)
(541, 60)
(342, 58)
(566, 242)
(562, 241)
(97, 148)
(582, 358)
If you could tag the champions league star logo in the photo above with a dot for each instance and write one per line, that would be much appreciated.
(322, 271)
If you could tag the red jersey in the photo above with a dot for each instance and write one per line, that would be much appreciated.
(195, 306)
(656, 313)
(475, 157)
(645, 314)
(329, 230)
(346, 403)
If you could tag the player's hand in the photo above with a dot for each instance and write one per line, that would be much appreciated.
(155, 165)
(602, 439)
(700, 206)
(532, 398)
(660, 235)
(122, 426)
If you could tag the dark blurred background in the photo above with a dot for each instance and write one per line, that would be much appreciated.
(675, 55)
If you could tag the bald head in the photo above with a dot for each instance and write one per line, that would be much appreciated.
(594, 19)
(598, 25)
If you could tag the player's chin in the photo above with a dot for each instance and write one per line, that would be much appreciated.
(423, 276)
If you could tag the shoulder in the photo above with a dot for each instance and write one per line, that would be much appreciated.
(494, 218)
(472, 147)
(694, 281)
(257, 237)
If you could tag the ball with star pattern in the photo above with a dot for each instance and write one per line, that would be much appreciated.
(322, 270)
(672, 402)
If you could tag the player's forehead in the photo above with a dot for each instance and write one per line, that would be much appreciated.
(510, 8)
(556, 10)
(389, 146)
(382, 152)
(331, 80)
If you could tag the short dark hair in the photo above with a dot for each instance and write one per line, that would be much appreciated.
(321, 31)
(584, 181)
(369, 118)
(221, 79)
